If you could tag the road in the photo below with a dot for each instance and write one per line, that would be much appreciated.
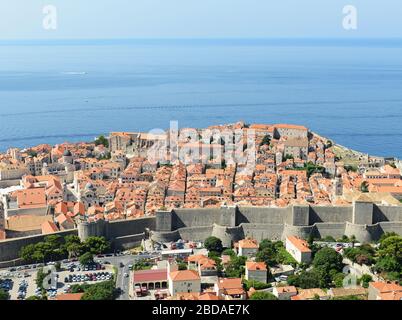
(122, 282)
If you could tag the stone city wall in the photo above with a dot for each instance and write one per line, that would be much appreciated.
(10, 249)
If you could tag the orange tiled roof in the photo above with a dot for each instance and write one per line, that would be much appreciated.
(300, 244)
(383, 287)
(254, 266)
(184, 275)
(248, 243)
(49, 227)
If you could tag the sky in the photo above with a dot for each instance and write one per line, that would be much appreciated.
(113, 19)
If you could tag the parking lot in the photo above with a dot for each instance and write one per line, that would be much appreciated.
(20, 282)
(109, 263)
(19, 285)
(90, 274)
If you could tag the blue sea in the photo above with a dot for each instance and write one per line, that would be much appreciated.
(347, 90)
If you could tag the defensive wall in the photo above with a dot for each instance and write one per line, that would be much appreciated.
(122, 234)
(364, 220)
(10, 248)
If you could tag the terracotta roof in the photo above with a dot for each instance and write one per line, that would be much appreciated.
(31, 198)
(186, 296)
(229, 283)
(394, 295)
(61, 218)
(49, 227)
(306, 294)
(234, 291)
(287, 289)
(254, 266)
(150, 275)
(248, 243)
(184, 275)
(208, 296)
(300, 244)
(383, 287)
(26, 222)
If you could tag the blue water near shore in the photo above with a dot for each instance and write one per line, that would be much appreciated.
(349, 91)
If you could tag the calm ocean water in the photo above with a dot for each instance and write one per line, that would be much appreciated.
(348, 91)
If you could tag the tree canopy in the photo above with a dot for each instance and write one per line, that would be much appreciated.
(100, 291)
(213, 244)
(102, 140)
(266, 140)
(261, 295)
(328, 259)
(361, 255)
(86, 259)
(390, 256)
(4, 295)
(273, 253)
(55, 247)
(235, 267)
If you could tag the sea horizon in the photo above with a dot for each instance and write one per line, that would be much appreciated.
(74, 90)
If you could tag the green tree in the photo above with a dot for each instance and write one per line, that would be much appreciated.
(33, 298)
(32, 153)
(73, 246)
(213, 244)
(352, 168)
(97, 245)
(40, 277)
(312, 168)
(309, 279)
(53, 247)
(338, 279)
(364, 187)
(391, 246)
(387, 235)
(365, 280)
(229, 252)
(100, 291)
(328, 259)
(257, 285)
(261, 295)
(57, 265)
(28, 252)
(266, 243)
(235, 267)
(329, 239)
(285, 257)
(267, 255)
(4, 295)
(361, 255)
(387, 264)
(74, 249)
(266, 140)
(145, 264)
(102, 140)
(86, 259)
(287, 157)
